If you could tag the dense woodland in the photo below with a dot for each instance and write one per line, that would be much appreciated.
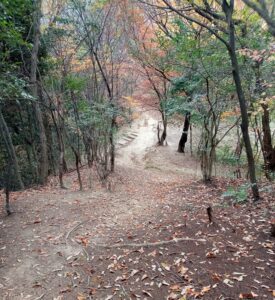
(67, 68)
(74, 76)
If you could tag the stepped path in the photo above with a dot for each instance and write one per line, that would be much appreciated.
(145, 236)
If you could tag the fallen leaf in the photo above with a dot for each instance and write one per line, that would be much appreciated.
(134, 272)
(182, 270)
(248, 238)
(81, 297)
(141, 250)
(211, 255)
(239, 278)
(84, 241)
(205, 289)
(228, 282)
(147, 294)
(93, 291)
(172, 296)
(165, 283)
(37, 221)
(216, 277)
(268, 245)
(175, 287)
(186, 290)
(166, 266)
(36, 284)
(144, 277)
(248, 296)
(153, 253)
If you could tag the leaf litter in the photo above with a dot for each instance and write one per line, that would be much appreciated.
(236, 261)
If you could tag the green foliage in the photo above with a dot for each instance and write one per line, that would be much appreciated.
(237, 194)
(226, 155)
(75, 83)
(13, 89)
(15, 20)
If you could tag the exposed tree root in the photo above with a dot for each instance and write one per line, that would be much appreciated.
(160, 243)
(73, 229)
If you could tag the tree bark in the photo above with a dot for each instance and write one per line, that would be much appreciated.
(43, 163)
(112, 143)
(12, 158)
(184, 135)
(228, 10)
(77, 161)
(7, 192)
(164, 132)
(268, 149)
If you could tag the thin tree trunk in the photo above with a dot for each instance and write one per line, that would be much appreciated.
(43, 167)
(164, 132)
(7, 192)
(228, 10)
(12, 158)
(77, 161)
(268, 149)
(184, 135)
(61, 148)
(112, 154)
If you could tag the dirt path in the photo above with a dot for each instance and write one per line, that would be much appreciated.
(137, 148)
(50, 248)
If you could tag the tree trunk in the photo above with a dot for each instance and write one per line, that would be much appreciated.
(208, 150)
(268, 149)
(164, 132)
(77, 161)
(228, 10)
(43, 167)
(184, 134)
(7, 192)
(112, 154)
(12, 158)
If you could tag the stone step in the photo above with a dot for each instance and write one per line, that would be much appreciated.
(127, 138)
(133, 135)
(121, 143)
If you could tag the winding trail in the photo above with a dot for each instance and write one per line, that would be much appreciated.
(50, 247)
(40, 238)
(142, 152)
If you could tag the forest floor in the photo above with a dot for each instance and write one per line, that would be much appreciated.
(146, 236)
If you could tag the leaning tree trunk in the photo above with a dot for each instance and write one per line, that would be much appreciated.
(184, 135)
(228, 10)
(13, 163)
(43, 167)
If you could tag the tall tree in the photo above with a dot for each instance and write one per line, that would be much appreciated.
(43, 159)
(11, 157)
(220, 26)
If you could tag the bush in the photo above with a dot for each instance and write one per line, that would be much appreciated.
(238, 194)
(225, 155)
